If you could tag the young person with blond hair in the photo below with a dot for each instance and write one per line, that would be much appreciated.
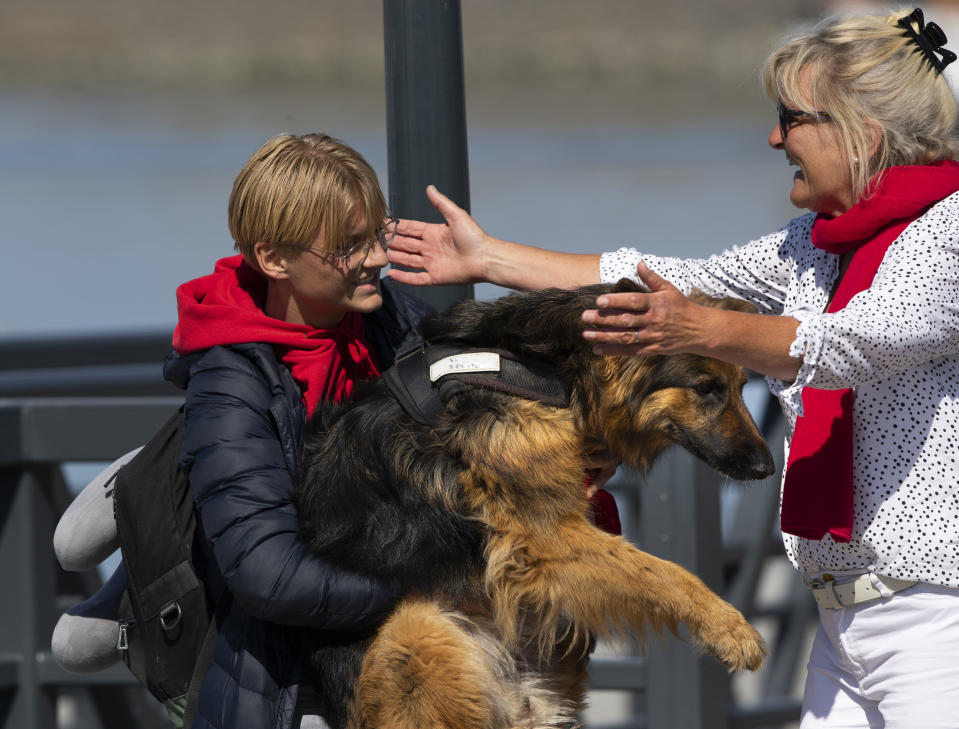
(298, 317)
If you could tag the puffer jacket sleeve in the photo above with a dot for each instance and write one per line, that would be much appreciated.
(242, 485)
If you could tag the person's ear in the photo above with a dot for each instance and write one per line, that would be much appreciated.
(271, 262)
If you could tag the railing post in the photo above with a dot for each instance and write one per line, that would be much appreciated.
(426, 114)
(28, 612)
(38, 435)
(680, 522)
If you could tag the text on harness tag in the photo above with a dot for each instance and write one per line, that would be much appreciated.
(468, 362)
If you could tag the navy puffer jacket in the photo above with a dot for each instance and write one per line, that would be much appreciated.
(244, 419)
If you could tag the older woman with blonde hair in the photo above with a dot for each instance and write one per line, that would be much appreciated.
(858, 335)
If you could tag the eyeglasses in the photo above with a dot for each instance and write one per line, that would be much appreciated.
(384, 236)
(789, 118)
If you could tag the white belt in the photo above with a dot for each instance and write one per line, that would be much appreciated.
(834, 593)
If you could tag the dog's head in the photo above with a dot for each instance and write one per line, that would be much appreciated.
(643, 404)
(636, 405)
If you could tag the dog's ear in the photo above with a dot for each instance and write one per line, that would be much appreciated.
(722, 302)
(627, 285)
(463, 321)
(544, 324)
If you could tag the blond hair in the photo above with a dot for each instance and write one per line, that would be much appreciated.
(865, 72)
(295, 188)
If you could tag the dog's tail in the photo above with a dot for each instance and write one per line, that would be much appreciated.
(434, 667)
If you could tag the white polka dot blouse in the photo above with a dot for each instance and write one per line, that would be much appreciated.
(896, 344)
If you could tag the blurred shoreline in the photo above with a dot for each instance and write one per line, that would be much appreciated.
(590, 124)
(542, 60)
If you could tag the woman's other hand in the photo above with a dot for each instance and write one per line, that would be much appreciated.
(663, 321)
(448, 253)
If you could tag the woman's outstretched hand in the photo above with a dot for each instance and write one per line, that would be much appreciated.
(662, 321)
(448, 253)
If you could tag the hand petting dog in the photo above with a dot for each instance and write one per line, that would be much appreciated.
(663, 320)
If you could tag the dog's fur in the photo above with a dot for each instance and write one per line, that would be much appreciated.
(482, 522)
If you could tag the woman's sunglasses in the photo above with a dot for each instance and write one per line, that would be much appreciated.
(789, 118)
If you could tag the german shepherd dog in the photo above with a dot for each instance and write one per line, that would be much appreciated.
(481, 520)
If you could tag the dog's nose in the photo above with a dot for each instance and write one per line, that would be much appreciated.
(761, 465)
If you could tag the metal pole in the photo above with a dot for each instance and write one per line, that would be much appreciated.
(426, 114)
(680, 522)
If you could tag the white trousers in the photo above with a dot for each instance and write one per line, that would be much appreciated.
(892, 663)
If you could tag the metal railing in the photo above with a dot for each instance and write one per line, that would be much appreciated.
(91, 399)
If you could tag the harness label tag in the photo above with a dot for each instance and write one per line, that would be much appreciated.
(469, 362)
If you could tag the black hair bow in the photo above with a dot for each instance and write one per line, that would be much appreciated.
(930, 38)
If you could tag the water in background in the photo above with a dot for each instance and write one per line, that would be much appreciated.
(109, 201)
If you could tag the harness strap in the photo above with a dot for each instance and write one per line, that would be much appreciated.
(425, 377)
(408, 380)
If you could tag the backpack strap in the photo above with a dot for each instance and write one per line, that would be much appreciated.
(205, 657)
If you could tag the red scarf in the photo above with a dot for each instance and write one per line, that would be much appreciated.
(818, 489)
(605, 512)
(226, 307)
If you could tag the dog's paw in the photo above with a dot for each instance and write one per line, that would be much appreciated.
(732, 640)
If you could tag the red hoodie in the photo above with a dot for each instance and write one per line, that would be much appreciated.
(226, 307)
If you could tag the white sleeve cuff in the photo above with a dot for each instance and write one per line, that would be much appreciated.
(807, 345)
(621, 263)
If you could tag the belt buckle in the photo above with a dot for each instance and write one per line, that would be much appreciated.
(818, 583)
(824, 590)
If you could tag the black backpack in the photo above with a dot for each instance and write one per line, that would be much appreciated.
(167, 614)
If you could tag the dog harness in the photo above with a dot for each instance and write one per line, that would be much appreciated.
(426, 376)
